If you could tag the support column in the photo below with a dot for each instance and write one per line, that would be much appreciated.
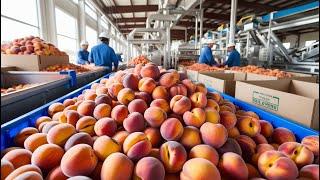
(201, 24)
(196, 33)
(233, 18)
(82, 20)
(48, 24)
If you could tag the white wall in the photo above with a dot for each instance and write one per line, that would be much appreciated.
(293, 39)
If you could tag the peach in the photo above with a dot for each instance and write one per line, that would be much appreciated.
(118, 76)
(86, 108)
(206, 152)
(233, 132)
(266, 128)
(90, 96)
(59, 116)
(178, 89)
(78, 138)
(60, 133)
(114, 89)
(103, 99)
(101, 111)
(47, 156)
(134, 122)
(147, 85)
(6, 168)
(228, 106)
(23, 135)
(137, 69)
(228, 119)
(137, 105)
(86, 124)
(199, 168)
(96, 173)
(105, 126)
(68, 102)
(42, 125)
(232, 166)
(213, 104)
(247, 145)
(180, 104)
(275, 145)
(214, 135)
(104, 146)
(215, 96)
(137, 146)
(191, 87)
(173, 156)
(312, 143)
(49, 125)
(117, 166)
(150, 70)
(260, 139)
(160, 92)
(195, 118)
(73, 107)
(309, 171)
(252, 171)
(131, 81)
(101, 91)
(149, 168)
(18, 157)
(200, 87)
(190, 137)
(168, 80)
(79, 160)
(297, 152)
(144, 96)
(56, 173)
(41, 120)
(249, 126)
(212, 115)
(161, 103)
(94, 86)
(120, 136)
(198, 100)
(71, 117)
(125, 96)
(281, 135)
(252, 114)
(34, 141)
(29, 175)
(171, 129)
(21, 170)
(155, 116)
(155, 152)
(231, 145)
(119, 113)
(154, 136)
(276, 165)
(54, 108)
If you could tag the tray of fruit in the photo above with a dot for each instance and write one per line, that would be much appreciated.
(260, 70)
(203, 67)
(120, 127)
(141, 59)
(66, 67)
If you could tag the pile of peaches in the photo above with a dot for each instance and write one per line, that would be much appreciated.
(263, 71)
(66, 67)
(17, 88)
(141, 59)
(186, 62)
(203, 67)
(31, 45)
(154, 124)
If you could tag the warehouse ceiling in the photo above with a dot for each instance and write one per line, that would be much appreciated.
(129, 14)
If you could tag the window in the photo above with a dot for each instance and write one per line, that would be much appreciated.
(91, 36)
(75, 1)
(104, 25)
(286, 45)
(17, 24)
(308, 43)
(66, 33)
(90, 10)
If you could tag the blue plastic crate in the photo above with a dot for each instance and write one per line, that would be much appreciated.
(10, 129)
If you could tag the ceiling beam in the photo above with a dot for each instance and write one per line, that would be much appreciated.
(132, 26)
(192, 24)
(242, 3)
(224, 17)
(126, 20)
(130, 9)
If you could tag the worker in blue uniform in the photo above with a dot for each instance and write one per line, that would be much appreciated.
(83, 53)
(234, 56)
(206, 56)
(104, 55)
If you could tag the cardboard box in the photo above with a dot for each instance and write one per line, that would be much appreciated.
(296, 76)
(193, 75)
(32, 62)
(222, 82)
(292, 99)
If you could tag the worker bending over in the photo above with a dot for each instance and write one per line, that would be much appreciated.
(206, 56)
(103, 55)
(234, 56)
(83, 53)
